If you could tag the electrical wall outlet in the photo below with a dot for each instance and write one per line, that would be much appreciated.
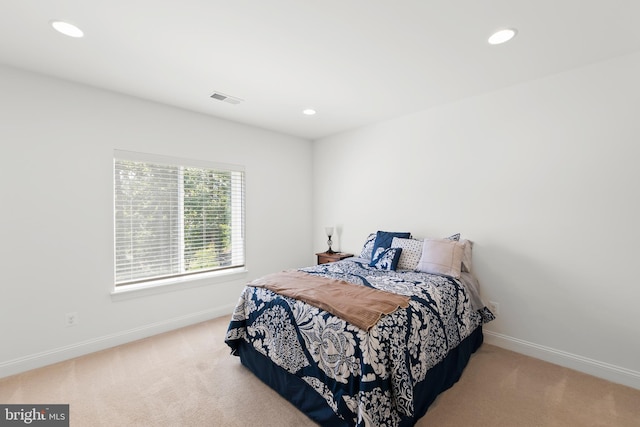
(71, 319)
(494, 307)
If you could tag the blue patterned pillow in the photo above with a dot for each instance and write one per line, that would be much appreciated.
(367, 249)
(384, 239)
(386, 259)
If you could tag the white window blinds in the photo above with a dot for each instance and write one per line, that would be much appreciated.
(175, 217)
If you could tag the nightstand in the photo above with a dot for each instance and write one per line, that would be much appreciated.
(324, 257)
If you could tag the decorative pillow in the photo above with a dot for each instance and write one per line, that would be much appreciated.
(468, 245)
(384, 239)
(466, 258)
(411, 251)
(441, 256)
(455, 237)
(367, 249)
(386, 259)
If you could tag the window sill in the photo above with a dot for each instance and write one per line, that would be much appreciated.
(175, 284)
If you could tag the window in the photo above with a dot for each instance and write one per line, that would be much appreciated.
(175, 217)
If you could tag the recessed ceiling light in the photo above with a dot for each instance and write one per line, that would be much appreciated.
(67, 29)
(502, 36)
(309, 112)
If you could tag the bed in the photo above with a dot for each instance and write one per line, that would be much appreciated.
(385, 374)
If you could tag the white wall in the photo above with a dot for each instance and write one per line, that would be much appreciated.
(56, 221)
(544, 177)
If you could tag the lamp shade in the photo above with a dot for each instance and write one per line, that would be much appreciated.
(329, 231)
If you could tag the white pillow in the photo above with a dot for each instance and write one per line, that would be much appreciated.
(441, 256)
(411, 251)
(466, 258)
(468, 245)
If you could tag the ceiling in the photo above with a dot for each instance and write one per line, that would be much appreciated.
(354, 61)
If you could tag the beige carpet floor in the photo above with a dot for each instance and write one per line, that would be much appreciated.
(187, 378)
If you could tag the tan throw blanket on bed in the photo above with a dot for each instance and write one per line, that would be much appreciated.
(359, 305)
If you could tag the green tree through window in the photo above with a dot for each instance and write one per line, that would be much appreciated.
(207, 218)
(172, 220)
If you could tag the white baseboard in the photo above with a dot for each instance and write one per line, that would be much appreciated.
(48, 357)
(593, 367)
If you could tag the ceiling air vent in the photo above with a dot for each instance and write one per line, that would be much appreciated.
(226, 98)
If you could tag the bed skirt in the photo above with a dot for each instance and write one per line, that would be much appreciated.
(439, 378)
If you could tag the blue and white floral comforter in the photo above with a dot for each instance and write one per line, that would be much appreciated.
(367, 378)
